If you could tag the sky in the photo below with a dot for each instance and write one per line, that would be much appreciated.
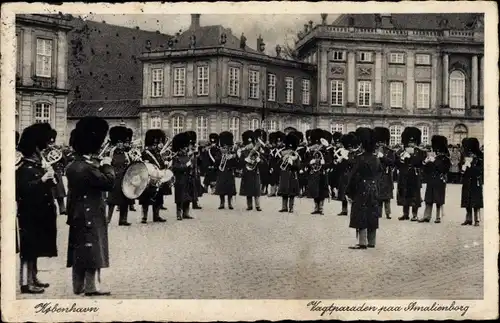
(275, 29)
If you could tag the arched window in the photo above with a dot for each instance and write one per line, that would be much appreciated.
(337, 127)
(457, 90)
(424, 129)
(234, 127)
(177, 125)
(254, 124)
(42, 112)
(272, 125)
(395, 132)
(155, 122)
(202, 128)
(460, 132)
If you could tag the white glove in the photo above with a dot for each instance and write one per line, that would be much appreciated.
(313, 161)
(189, 164)
(290, 161)
(379, 155)
(257, 160)
(106, 161)
(49, 175)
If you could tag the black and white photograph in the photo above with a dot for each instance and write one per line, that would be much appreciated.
(249, 161)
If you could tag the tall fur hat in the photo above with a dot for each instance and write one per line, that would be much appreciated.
(53, 135)
(154, 136)
(226, 138)
(366, 137)
(308, 134)
(37, 135)
(472, 145)
(328, 136)
(299, 135)
(272, 137)
(382, 135)
(248, 137)
(180, 141)
(316, 135)
(280, 136)
(349, 140)
(262, 134)
(439, 143)
(89, 135)
(213, 138)
(118, 133)
(411, 134)
(130, 134)
(291, 140)
(336, 136)
(192, 137)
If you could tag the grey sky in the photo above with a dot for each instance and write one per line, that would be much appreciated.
(275, 29)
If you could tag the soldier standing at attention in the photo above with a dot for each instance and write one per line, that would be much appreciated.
(182, 167)
(289, 173)
(387, 159)
(472, 180)
(226, 166)
(250, 178)
(209, 157)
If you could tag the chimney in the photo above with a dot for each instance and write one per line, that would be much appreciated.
(195, 21)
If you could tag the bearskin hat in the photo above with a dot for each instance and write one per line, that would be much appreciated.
(259, 133)
(316, 135)
(308, 134)
(471, 145)
(226, 138)
(328, 136)
(336, 136)
(349, 140)
(89, 135)
(118, 133)
(53, 135)
(248, 137)
(213, 138)
(439, 143)
(130, 134)
(280, 136)
(192, 137)
(180, 141)
(272, 137)
(382, 135)
(411, 134)
(154, 136)
(35, 136)
(366, 137)
(291, 140)
(299, 135)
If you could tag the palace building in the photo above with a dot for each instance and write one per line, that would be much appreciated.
(41, 71)
(423, 70)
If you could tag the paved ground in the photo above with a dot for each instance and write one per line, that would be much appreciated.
(240, 254)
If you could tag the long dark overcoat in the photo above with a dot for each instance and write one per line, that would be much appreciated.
(88, 226)
(317, 184)
(250, 179)
(265, 176)
(472, 184)
(274, 166)
(36, 211)
(386, 181)
(289, 179)
(226, 184)
(362, 188)
(185, 181)
(153, 195)
(436, 174)
(410, 179)
(120, 163)
(198, 187)
(209, 160)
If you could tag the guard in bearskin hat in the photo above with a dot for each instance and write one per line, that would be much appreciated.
(278, 138)
(199, 189)
(289, 173)
(128, 146)
(120, 160)
(182, 166)
(209, 157)
(226, 167)
(250, 178)
(89, 176)
(435, 169)
(362, 190)
(471, 165)
(334, 173)
(409, 161)
(317, 185)
(265, 151)
(387, 158)
(153, 195)
(302, 151)
(272, 177)
(58, 190)
(36, 211)
(329, 151)
(344, 162)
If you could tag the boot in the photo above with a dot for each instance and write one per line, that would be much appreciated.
(249, 203)
(320, 209)
(284, 204)
(257, 204)
(406, 210)
(132, 208)
(427, 214)
(438, 214)
(185, 212)
(123, 216)
(156, 215)
(414, 214)
(344, 209)
(476, 217)
(31, 289)
(230, 202)
(291, 201)
(145, 214)
(221, 206)
(178, 210)
(316, 208)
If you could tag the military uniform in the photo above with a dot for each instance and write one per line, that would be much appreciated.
(387, 159)
(472, 167)
(250, 178)
(276, 140)
(317, 186)
(209, 159)
(226, 184)
(185, 180)
(344, 167)
(59, 191)
(264, 164)
(198, 188)
(289, 177)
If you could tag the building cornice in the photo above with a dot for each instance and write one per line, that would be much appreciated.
(58, 23)
(39, 89)
(219, 105)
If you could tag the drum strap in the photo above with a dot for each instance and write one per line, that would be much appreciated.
(210, 155)
(154, 158)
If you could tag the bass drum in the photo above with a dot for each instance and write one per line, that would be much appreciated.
(138, 177)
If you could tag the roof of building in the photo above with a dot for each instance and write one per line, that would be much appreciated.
(459, 21)
(103, 62)
(105, 109)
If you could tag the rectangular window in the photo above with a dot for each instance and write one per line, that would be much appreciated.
(156, 122)
(364, 93)
(254, 124)
(365, 57)
(253, 83)
(42, 113)
(397, 58)
(271, 87)
(289, 89)
(177, 125)
(306, 92)
(234, 127)
(395, 132)
(337, 127)
(234, 81)
(423, 95)
(337, 90)
(338, 55)
(156, 82)
(179, 81)
(425, 134)
(43, 57)
(203, 80)
(202, 128)
(396, 91)
(423, 59)
(273, 126)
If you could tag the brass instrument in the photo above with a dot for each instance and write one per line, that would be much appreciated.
(431, 157)
(166, 151)
(135, 154)
(107, 150)
(340, 154)
(318, 155)
(407, 153)
(253, 155)
(286, 160)
(50, 156)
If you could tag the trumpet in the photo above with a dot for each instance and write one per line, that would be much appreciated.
(253, 155)
(50, 156)
(292, 155)
(107, 150)
(166, 151)
(227, 155)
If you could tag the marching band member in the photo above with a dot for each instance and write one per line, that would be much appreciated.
(88, 178)
(36, 211)
(334, 174)
(275, 139)
(302, 151)
(250, 178)
(153, 142)
(289, 173)
(226, 184)
(387, 159)
(182, 166)
(128, 146)
(59, 167)
(264, 165)
(195, 169)
(344, 163)
(472, 180)
(409, 162)
(317, 185)
(362, 190)
(436, 167)
(329, 151)
(209, 157)
(119, 160)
